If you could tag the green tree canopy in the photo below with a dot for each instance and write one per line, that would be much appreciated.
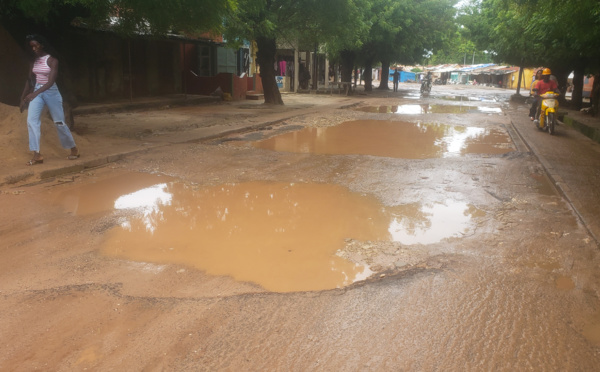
(125, 16)
(301, 22)
(403, 32)
(562, 34)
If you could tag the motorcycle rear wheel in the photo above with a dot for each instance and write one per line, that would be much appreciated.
(551, 121)
(542, 121)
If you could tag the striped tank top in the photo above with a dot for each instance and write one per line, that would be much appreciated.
(41, 69)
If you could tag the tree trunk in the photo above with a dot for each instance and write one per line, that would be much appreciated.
(347, 64)
(520, 79)
(315, 64)
(265, 56)
(368, 75)
(385, 75)
(562, 77)
(346, 67)
(595, 99)
(334, 69)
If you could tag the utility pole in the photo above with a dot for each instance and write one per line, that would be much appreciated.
(473, 58)
(315, 70)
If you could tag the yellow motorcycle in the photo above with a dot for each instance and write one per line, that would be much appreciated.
(547, 117)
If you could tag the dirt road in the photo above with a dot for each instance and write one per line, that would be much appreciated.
(434, 240)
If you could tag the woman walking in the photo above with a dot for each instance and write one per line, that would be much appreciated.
(41, 90)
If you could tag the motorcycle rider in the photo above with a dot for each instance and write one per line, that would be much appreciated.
(426, 85)
(541, 87)
(533, 108)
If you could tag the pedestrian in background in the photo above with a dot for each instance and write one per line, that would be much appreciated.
(41, 90)
(395, 78)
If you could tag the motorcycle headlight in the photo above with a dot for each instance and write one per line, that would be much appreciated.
(551, 103)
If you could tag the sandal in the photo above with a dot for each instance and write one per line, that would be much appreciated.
(35, 161)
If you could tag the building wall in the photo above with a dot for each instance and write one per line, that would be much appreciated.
(205, 85)
(101, 66)
(14, 68)
(106, 67)
(527, 79)
(258, 86)
(240, 87)
(96, 71)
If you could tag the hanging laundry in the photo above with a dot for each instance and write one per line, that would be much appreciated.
(282, 70)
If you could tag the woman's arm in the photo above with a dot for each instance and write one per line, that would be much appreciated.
(26, 89)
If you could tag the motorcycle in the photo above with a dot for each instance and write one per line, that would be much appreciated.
(426, 86)
(547, 113)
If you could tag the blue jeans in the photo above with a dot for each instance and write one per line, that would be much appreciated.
(53, 100)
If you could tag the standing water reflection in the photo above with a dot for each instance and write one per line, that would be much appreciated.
(283, 236)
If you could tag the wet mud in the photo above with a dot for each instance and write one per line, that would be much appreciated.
(476, 262)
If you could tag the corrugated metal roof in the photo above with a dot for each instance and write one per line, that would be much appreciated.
(444, 68)
(476, 67)
(487, 69)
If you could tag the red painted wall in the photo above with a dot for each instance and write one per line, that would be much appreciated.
(258, 87)
(205, 85)
(240, 87)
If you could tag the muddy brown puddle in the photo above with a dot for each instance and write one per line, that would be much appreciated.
(282, 236)
(461, 98)
(425, 108)
(392, 139)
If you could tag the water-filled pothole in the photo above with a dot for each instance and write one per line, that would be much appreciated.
(392, 139)
(283, 236)
(432, 222)
(425, 108)
(411, 95)
(460, 98)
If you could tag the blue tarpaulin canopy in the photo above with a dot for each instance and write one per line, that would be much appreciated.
(404, 76)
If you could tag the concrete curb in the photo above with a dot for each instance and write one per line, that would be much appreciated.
(588, 131)
(74, 168)
(144, 105)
